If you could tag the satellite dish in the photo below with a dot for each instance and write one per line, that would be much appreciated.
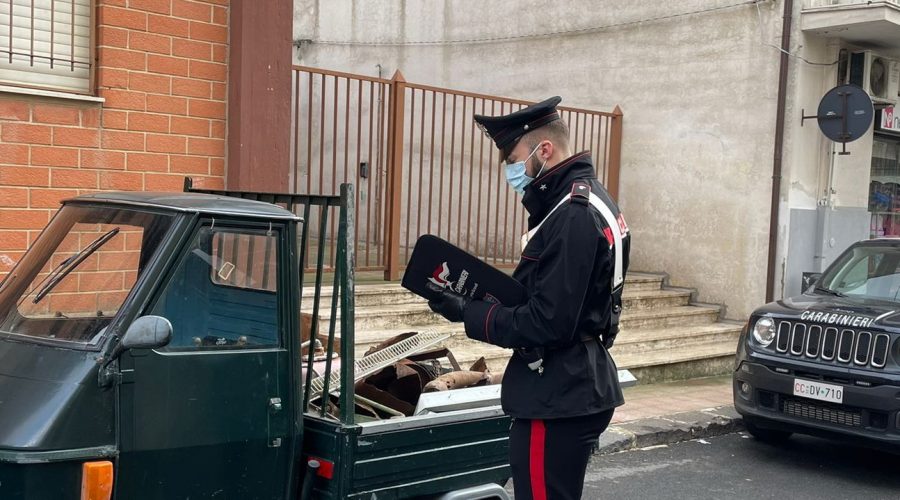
(845, 114)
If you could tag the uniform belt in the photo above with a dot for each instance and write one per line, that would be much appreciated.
(534, 358)
(582, 339)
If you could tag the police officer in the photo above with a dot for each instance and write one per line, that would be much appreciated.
(561, 385)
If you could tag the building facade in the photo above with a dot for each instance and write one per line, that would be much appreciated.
(135, 95)
(698, 82)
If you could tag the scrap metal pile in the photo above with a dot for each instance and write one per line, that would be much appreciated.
(391, 378)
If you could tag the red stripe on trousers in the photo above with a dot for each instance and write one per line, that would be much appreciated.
(538, 485)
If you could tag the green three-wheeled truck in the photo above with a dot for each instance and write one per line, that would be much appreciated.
(150, 348)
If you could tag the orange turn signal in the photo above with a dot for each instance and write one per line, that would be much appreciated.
(96, 480)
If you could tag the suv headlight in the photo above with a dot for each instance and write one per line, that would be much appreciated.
(764, 331)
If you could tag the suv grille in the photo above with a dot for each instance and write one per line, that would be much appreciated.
(821, 412)
(844, 345)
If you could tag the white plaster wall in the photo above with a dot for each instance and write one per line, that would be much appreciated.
(806, 154)
(851, 173)
(698, 92)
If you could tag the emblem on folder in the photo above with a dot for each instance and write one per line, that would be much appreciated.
(440, 275)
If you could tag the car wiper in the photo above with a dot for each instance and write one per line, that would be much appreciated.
(52, 274)
(829, 291)
(67, 266)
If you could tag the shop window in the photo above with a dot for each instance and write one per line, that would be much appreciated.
(884, 188)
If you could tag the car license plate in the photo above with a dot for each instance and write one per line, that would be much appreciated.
(818, 390)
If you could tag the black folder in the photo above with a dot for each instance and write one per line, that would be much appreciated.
(442, 263)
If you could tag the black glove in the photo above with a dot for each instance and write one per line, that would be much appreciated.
(448, 303)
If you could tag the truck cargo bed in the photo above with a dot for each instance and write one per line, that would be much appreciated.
(412, 456)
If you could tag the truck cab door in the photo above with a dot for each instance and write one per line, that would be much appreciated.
(208, 415)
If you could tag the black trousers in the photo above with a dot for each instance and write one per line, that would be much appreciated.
(549, 457)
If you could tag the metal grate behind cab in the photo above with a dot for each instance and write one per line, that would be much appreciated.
(833, 344)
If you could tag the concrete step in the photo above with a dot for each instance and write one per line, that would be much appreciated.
(419, 316)
(668, 317)
(638, 286)
(369, 295)
(687, 352)
(663, 337)
(383, 296)
(643, 281)
(677, 363)
(660, 354)
(652, 340)
(633, 300)
(628, 341)
(688, 361)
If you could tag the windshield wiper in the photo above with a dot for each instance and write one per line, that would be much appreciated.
(829, 291)
(67, 266)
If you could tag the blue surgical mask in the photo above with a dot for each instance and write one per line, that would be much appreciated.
(516, 176)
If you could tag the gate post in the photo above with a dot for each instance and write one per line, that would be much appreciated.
(396, 116)
(615, 154)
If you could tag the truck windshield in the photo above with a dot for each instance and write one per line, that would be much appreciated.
(76, 275)
(867, 271)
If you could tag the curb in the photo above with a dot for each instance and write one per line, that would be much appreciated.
(670, 429)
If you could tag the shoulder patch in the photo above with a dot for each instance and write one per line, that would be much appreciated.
(623, 227)
(581, 192)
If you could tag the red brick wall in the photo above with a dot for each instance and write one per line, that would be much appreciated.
(161, 68)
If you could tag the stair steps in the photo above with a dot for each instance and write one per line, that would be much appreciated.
(663, 335)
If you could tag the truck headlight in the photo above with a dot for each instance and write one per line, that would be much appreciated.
(764, 331)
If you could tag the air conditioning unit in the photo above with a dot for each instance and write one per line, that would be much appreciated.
(877, 75)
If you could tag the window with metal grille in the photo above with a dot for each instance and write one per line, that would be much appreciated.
(46, 44)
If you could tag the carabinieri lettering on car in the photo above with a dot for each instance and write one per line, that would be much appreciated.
(836, 319)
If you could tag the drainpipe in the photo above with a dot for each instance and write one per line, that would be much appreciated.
(779, 148)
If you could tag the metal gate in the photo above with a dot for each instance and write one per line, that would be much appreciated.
(419, 163)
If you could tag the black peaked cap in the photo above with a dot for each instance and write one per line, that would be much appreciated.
(506, 130)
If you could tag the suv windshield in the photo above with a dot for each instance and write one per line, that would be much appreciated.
(869, 271)
(77, 274)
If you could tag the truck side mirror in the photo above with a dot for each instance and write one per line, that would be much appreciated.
(810, 280)
(147, 332)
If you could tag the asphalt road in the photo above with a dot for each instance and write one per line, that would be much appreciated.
(737, 466)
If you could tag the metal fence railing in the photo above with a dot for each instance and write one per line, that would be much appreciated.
(451, 178)
(420, 164)
(340, 136)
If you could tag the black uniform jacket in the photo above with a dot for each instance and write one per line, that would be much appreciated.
(566, 267)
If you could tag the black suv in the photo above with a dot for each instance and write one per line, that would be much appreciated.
(828, 362)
